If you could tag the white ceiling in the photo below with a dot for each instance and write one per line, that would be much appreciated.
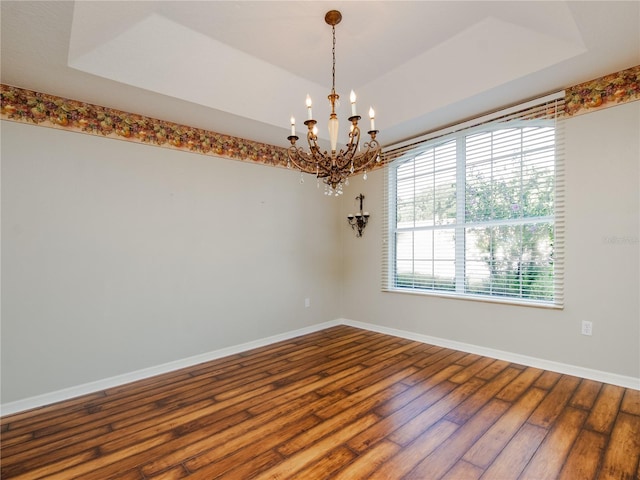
(244, 67)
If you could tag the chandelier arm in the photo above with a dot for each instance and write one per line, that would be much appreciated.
(312, 138)
(365, 158)
(372, 145)
(322, 161)
(352, 146)
(345, 157)
(370, 156)
(300, 159)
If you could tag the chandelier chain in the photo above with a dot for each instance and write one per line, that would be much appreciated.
(333, 69)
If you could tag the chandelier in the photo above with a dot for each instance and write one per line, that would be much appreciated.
(334, 167)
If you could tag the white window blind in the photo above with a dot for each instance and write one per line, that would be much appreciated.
(477, 211)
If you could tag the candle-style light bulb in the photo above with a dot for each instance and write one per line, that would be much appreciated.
(293, 126)
(352, 97)
(372, 116)
(308, 102)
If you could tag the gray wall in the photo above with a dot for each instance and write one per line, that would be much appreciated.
(119, 256)
(602, 263)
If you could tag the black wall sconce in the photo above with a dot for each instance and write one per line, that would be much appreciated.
(359, 220)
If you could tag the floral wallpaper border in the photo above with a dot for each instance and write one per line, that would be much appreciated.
(607, 91)
(26, 106)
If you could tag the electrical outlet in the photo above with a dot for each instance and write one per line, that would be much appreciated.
(587, 327)
(307, 302)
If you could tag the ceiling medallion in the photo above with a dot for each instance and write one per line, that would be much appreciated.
(334, 167)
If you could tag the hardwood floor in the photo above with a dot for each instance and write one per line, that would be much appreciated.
(342, 403)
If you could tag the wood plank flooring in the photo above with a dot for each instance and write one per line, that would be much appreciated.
(342, 403)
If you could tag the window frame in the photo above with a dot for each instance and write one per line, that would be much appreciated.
(515, 117)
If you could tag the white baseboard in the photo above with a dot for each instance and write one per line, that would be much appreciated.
(91, 387)
(597, 375)
(76, 391)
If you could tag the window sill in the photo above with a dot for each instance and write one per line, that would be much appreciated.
(476, 298)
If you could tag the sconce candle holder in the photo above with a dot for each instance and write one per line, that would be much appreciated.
(359, 220)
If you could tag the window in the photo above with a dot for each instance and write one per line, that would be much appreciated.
(477, 211)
